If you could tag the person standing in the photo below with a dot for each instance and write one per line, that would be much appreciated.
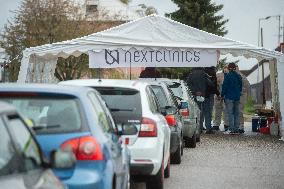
(198, 82)
(219, 105)
(209, 98)
(243, 99)
(231, 92)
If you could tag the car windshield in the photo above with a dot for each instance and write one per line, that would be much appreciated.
(47, 114)
(124, 103)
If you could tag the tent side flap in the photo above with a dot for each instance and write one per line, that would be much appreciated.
(35, 69)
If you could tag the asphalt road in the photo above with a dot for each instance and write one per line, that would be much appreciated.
(251, 161)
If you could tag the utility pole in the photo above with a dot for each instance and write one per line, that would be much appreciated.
(262, 69)
(279, 28)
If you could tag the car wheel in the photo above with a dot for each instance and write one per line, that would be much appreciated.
(182, 146)
(191, 142)
(186, 142)
(198, 138)
(176, 157)
(157, 181)
(167, 172)
(128, 181)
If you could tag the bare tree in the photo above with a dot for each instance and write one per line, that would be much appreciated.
(38, 22)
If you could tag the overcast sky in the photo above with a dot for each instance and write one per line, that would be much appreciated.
(243, 17)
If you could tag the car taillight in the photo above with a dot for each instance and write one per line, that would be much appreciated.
(84, 148)
(148, 128)
(184, 112)
(171, 120)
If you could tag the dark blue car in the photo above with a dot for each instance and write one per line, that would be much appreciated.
(74, 118)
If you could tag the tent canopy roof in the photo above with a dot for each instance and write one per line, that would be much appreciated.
(152, 31)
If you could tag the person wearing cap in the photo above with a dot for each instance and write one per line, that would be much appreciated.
(231, 92)
(219, 105)
(243, 99)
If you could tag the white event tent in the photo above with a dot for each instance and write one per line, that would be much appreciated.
(152, 32)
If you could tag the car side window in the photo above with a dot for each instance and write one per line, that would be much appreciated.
(6, 151)
(173, 98)
(24, 142)
(107, 112)
(160, 95)
(103, 120)
(153, 102)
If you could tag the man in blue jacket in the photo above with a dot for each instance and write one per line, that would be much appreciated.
(231, 92)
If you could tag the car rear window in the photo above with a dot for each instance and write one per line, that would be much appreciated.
(47, 113)
(124, 103)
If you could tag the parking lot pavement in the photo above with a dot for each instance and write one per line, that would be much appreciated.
(252, 161)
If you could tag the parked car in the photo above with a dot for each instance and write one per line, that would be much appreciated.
(22, 164)
(189, 110)
(134, 107)
(74, 118)
(169, 106)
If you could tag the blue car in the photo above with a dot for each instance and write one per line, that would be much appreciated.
(74, 118)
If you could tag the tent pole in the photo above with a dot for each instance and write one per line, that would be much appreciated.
(99, 70)
(130, 71)
(155, 73)
(263, 87)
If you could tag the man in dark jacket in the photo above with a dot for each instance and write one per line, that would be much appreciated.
(231, 91)
(199, 82)
(209, 98)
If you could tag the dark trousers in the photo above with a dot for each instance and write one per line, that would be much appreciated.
(207, 108)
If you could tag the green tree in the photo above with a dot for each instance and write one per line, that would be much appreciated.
(200, 14)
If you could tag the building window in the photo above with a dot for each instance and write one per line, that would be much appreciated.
(91, 9)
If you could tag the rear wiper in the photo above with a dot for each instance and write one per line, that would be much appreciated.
(40, 127)
(121, 110)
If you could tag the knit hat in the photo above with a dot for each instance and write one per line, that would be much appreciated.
(232, 66)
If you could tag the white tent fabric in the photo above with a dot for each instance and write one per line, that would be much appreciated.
(153, 32)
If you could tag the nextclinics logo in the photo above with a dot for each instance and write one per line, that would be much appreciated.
(112, 57)
(151, 56)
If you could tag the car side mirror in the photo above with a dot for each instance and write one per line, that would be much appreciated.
(163, 111)
(62, 159)
(168, 110)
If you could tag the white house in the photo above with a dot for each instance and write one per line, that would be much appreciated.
(110, 10)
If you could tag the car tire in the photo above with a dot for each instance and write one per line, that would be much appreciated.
(167, 172)
(128, 182)
(191, 142)
(176, 157)
(157, 181)
(198, 138)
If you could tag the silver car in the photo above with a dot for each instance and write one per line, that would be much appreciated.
(189, 110)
